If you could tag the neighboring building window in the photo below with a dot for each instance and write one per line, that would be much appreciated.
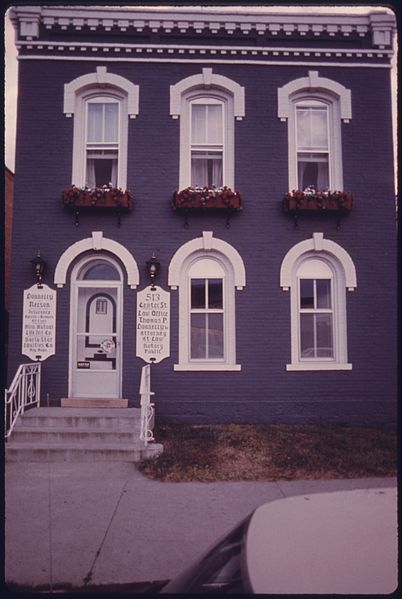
(207, 270)
(207, 105)
(314, 107)
(317, 272)
(101, 103)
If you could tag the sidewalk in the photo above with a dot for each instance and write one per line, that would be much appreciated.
(101, 523)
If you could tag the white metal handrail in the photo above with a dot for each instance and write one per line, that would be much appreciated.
(147, 408)
(24, 391)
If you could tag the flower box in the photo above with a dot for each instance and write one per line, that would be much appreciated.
(339, 201)
(336, 203)
(205, 198)
(101, 198)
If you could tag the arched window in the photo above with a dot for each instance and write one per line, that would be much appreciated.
(317, 273)
(207, 105)
(314, 107)
(206, 271)
(101, 103)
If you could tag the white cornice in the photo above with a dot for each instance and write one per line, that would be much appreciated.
(105, 18)
(205, 51)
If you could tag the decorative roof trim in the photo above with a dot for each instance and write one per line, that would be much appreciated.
(100, 78)
(313, 83)
(205, 51)
(206, 80)
(28, 18)
(317, 244)
(220, 61)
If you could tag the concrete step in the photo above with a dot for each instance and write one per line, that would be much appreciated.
(79, 434)
(112, 418)
(71, 434)
(62, 452)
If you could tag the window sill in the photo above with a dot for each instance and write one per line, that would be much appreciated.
(319, 366)
(205, 367)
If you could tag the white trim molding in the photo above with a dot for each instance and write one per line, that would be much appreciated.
(26, 19)
(207, 80)
(96, 243)
(314, 83)
(210, 258)
(317, 244)
(206, 243)
(326, 260)
(99, 79)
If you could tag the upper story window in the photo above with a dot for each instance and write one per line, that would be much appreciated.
(314, 107)
(207, 147)
(207, 105)
(101, 103)
(102, 144)
(312, 144)
(317, 272)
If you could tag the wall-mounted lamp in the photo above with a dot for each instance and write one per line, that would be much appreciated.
(39, 267)
(153, 268)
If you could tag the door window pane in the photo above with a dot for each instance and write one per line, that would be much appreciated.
(101, 271)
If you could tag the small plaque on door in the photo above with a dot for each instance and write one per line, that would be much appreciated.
(83, 365)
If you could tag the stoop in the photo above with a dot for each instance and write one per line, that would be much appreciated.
(79, 435)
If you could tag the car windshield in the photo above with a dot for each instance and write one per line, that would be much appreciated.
(219, 570)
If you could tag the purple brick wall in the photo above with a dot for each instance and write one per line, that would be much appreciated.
(263, 391)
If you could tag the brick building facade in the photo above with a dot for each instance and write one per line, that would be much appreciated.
(281, 311)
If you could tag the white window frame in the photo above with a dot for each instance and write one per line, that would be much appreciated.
(77, 93)
(229, 260)
(80, 135)
(343, 276)
(227, 136)
(335, 171)
(117, 145)
(209, 86)
(338, 100)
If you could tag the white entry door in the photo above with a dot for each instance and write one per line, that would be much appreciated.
(95, 337)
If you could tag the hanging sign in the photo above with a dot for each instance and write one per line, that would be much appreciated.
(39, 323)
(153, 324)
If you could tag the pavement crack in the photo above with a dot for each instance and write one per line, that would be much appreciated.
(89, 574)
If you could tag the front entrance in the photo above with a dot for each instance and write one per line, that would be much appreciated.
(96, 329)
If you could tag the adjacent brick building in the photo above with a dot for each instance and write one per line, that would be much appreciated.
(282, 307)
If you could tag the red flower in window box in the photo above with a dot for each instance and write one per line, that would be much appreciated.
(317, 200)
(101, 197)
(207, 198)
